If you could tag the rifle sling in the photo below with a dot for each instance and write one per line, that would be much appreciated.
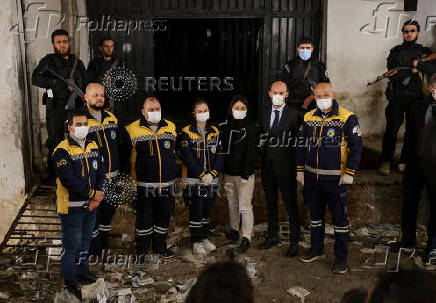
(74, 68)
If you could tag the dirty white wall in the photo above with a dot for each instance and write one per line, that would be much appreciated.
(360, 34)
(11, 158)
(40, 18)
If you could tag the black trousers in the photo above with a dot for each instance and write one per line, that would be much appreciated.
(55, 121)
(418, 178)
(103, 226)
(200, 199)
(153, 214)
(397, 107)
(272, 183)
(316, 196)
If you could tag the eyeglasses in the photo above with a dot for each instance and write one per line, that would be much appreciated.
(405, 32)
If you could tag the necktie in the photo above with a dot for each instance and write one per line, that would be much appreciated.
(276, 120)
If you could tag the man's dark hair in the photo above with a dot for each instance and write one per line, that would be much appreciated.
(304, 40)
(432, 81)
(199, 101)
(59, 32)
(76, 113)
(105, 38)
(222, 282)
(405, 286)
(235, 99)
(411, 22)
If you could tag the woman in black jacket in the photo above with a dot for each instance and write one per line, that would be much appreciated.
(239, 145)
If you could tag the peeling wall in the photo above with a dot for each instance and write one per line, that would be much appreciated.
(360, 34)
(12, 180)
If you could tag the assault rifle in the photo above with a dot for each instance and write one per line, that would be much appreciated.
(76, 91)
(395, 70)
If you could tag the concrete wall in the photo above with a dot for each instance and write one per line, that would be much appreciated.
(360, 34)
(39, 19)
(11, 158)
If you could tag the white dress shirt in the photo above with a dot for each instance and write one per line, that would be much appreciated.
(273, 114)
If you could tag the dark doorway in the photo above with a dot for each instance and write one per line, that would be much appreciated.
(228, 48)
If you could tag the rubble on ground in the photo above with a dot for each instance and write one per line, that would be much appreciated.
(160, 280)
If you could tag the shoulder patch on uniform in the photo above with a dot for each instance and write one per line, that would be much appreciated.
(61, 162)
(356, 130)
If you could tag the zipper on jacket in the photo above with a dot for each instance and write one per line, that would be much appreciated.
(108, 152)
(150, 146)
(160, 163)
(317, 150)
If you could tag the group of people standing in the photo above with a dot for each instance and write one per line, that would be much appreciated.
(304, 134)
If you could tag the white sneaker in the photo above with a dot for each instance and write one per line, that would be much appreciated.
(198, 248)
(209, 246)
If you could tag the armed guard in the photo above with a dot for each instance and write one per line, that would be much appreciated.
(405, 88)
(58, 92)
(419, 175)
(302, 73)
(103, 64)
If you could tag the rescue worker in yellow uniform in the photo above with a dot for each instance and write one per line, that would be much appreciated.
(103, 129)
(328, 154)
(202, 159)
(151, 145)
(80, 178)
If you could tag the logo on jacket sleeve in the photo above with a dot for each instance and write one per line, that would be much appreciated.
(113, 135)
(95, 164)
(356, 130)
(330, 132)
(61, 163)
(167, 144)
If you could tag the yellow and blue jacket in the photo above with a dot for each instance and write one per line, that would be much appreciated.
(105, 134)
(329, 145)
(152, 154)
(200, 156)
(79, 174)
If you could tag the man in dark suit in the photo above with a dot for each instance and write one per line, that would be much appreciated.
(280, 123)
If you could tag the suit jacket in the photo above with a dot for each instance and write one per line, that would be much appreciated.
(279, 146)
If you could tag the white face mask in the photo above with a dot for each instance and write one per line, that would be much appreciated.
(278, 100)
(239, 114)
(80, 132)
(324, 104)
(202, 117)
(154, 117)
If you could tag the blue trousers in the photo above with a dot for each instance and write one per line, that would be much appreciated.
(200, 199)
(76, 236)
(316, 196)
